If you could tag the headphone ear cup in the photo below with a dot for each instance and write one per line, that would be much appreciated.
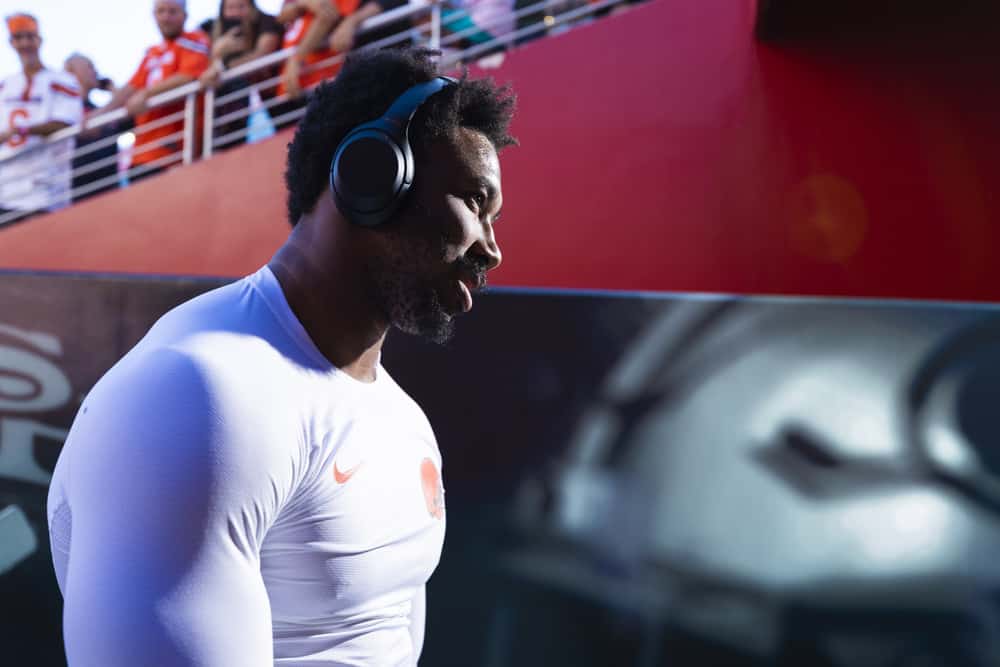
(371, 171)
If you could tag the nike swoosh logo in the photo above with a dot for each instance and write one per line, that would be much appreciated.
(342, 477)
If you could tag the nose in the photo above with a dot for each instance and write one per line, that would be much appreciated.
(486, 249)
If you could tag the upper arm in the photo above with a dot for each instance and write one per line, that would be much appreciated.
(322, 9)
(367, 10)
(267, 42)
(290, 11)
(119, 97)
(158, 572)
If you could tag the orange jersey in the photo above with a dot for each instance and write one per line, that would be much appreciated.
(187, 54)
(297, 31)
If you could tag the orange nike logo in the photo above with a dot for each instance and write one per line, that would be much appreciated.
(342, 477)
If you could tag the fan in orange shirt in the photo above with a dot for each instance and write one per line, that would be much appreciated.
(179, 59)
(319, 29)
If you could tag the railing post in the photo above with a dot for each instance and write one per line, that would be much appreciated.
(189, 127)
(209, 118)
(435, 25)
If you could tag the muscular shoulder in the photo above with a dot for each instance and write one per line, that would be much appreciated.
(166, 411)
(222, 346)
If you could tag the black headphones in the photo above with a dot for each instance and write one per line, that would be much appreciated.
(372, 169)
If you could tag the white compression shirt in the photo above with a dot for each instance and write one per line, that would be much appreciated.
(227, 497)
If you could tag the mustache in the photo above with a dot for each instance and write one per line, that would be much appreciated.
(474, 267)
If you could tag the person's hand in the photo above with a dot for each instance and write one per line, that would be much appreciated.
(6, 135)
(211, 76)
(290, 78)
(86, 134)
(229, 43)
(136, 105)
(342, 37)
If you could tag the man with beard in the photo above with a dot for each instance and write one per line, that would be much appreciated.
(178, 60)
(248, 486)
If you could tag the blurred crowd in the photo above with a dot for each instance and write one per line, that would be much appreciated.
(223, 53)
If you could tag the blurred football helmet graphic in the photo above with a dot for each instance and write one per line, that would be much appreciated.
(783, 481)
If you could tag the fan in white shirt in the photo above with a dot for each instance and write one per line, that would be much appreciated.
(35, 175)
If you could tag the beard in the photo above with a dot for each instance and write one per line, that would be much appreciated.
(401, 283)
(415, 308)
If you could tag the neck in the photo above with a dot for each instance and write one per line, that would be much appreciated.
(31, 66)
(325, 296)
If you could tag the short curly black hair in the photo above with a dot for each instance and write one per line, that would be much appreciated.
(369, 82)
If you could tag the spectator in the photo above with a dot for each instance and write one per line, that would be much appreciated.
(479, 21)
(34, 103)
(83, 69)
(239, 34)
(319, 30)
(394, 29)
(180, 59)
(344, 35)
(308, 26)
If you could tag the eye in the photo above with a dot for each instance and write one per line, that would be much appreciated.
(475, 201)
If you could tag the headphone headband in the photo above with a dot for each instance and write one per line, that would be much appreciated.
(401, 111)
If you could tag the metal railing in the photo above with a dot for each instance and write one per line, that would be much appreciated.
(218, 119)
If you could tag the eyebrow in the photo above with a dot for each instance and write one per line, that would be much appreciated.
(487, 185)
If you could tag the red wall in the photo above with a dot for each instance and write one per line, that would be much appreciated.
(662, 149)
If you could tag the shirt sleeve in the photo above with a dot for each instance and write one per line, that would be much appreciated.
(67, 103)
(162, 569)
(138, 80)
(347, 7)
(192, 56)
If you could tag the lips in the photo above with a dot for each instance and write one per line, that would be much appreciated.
(467, 284)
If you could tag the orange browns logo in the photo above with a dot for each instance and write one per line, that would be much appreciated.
(15, 116)
(430, 478)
